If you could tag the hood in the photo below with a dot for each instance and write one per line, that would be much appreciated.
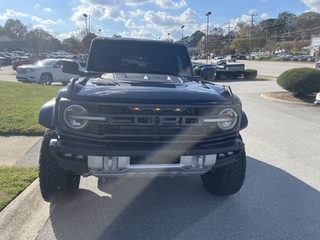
(149, 88)
(31, 66)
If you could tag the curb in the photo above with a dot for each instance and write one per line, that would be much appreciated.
(263, 95)
(15, 218)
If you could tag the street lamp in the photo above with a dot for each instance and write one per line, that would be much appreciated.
(207, 14)
(182, 31)
(100, 32)
(85, 19)
(168, 35)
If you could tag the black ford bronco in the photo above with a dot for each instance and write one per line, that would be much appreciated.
(139, 110)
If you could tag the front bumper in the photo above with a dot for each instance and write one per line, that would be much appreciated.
(132, 159)
(29, 78)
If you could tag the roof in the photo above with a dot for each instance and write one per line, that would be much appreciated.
(6, 39)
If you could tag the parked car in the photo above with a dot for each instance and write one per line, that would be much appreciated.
(231, 58)
(7, 59)
(220, 60)
(317, 66)
(45, 72)
(23, 61)
(241, 57)
(317, 100)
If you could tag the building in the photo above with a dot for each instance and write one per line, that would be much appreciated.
(314, 47)
(9, 44)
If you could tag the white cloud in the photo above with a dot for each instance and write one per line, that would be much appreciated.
(45, 22)
(12, 13)
(264, 16)
(47, 9)
(314, 5)
(130, 24)
(166, 4)
(137, 13)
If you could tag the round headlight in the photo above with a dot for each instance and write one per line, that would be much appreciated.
(227, 119)
(75, 117)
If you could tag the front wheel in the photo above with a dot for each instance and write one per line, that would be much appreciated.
(54, 180)
(226, 180)
(45, 79)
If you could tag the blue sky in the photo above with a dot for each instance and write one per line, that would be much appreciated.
(144, 18)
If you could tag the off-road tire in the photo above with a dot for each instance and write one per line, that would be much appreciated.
(54, 180)
(226, 180)
(45, 79)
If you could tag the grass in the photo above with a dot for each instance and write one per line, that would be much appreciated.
(19, 110)
(20, 105)
(13, 180)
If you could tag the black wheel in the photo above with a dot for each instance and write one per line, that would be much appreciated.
(45, 79)
(226, 180)
(54, 180)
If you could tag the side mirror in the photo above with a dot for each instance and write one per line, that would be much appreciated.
(208, 73)
(71, 67)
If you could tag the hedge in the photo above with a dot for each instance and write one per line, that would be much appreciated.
(232, 74)
(300, 81)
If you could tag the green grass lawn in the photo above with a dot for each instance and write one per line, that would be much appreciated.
(13, 180)
(20, 105)
(19, 109)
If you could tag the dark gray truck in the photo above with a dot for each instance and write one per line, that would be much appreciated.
(138, 110)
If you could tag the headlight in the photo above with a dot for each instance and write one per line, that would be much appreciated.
(75, 117)
(228, 118)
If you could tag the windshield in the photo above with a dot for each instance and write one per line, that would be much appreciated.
(139, 57)
(46, 62)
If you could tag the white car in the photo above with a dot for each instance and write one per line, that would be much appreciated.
(219, 61)
(231, 58)
(45, 72)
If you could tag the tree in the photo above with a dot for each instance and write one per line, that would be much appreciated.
(73, 45)
(14, 29)
(241, 43)
(39, 41)
(284, 26)
(86, 41)
(308, 24)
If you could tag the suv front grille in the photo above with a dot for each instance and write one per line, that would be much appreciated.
(151, 121)
(21, 70)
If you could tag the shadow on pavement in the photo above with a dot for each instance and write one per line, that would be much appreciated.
(271, 205)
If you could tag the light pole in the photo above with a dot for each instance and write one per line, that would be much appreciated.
(266, 41)
(182, 32)
(168, 35)
(85, 19)
(100, 32)
(207, 14)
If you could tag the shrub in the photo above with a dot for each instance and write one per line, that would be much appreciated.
(231, 74)
(300, 81)
(250, 73)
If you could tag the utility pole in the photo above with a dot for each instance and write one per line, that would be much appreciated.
(206, 46)
(251, 25)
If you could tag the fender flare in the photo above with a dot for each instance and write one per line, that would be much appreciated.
(47, 114)
(244, 120)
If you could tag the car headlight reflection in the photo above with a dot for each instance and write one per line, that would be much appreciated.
(228, 118)
(75, 117)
